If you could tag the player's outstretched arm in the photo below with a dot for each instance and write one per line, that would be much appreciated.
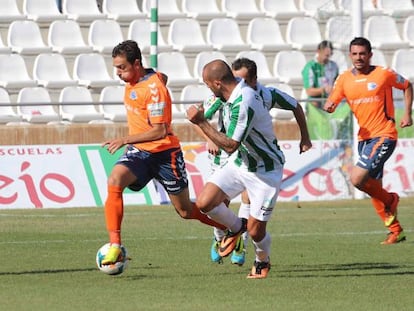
(305, 142)
(407, 119)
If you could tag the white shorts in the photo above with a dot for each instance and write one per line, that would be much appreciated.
(262, 187)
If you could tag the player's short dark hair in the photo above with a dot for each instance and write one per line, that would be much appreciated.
(129, 49)
(362, 42)
(245, 63)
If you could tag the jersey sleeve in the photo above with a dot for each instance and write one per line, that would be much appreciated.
(396, 80)
(281, 100)
(211, 105)
(158, 103)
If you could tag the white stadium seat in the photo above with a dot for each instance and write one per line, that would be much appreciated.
(50, 70)
(175, 66)
(104, 34)
(378, 58)
(111, 103)
(44, 11)
(201, 10)
(264, 34)
(396, 8)
(167, 10)
(195, 93)
(185, 35)
(139, 30)
(7, 113)
(288, 65)
(203, 58)
(403, 63)
(338, 30)
(82, 11)
(36, 113)
(24, 37)
(224, 34)
(368, 8)
(303, 33)
(13, 72)
(383, 33)
(280, 10)
(123, 11)
(241, 10)
(408, 30)
(65, 37)
(10, 12)
(90, 70)
(76, 105)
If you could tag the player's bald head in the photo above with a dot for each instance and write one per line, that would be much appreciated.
(217, 70)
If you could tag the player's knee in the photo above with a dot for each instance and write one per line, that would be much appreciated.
(256, 229)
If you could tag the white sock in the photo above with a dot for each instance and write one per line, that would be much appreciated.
(244, 210)
(218, 234)
(262, 248)
(225, 216)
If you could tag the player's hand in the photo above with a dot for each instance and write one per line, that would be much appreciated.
(113, 145)
(329, 107)
(406, 120)
(304, 146)
(195, 114)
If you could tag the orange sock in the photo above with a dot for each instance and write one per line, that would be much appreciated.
(114, 211)
(197, 214)
(379, 208)
(374, 189)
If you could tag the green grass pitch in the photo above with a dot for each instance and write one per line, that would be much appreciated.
(325, 256)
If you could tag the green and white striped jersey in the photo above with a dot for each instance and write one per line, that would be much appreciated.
(247, 120)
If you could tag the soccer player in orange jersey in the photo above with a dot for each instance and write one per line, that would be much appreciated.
(152, 150)
(368, 91)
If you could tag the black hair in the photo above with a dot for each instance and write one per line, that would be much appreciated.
(362, 42)
(245, 63)
(129, 49)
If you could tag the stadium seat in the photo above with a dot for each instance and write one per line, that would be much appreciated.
(378, 58)
(65, 37)
(224, 34)
(50, 70)
(341, 59)
(185, 35)
(123, 11)
(320, 9)
(7, 113)
(338, 30)
(35, 113)
(194, 93)
(201, 10)
(241, 11)
(90, 70)
(139, 30)
(13, 72)
(396, 8)
(24, 37)
(167, 10)
(82, 11)
(111, 103)
(408, 30)
(383, 33)
(203, 58)
(303, 33)
(368, 8)
(3, 48)
(403, 63)
(288, 65)
(280, 10)
(10, 12)
(104, 34)
(76, 105)
(264, 34)
(44, 11)
(281, 114)
(264, 75)
(175, 66)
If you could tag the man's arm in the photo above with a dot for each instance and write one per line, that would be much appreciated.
(195, 115)
(407, 119)
(305, 142)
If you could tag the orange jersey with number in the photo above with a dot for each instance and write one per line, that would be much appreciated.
(148, 102)
(370, 99)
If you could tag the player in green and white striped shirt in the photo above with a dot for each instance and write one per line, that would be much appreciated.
(257, 165)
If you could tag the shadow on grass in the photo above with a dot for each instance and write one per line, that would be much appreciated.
(47, 271)
(345, 270)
